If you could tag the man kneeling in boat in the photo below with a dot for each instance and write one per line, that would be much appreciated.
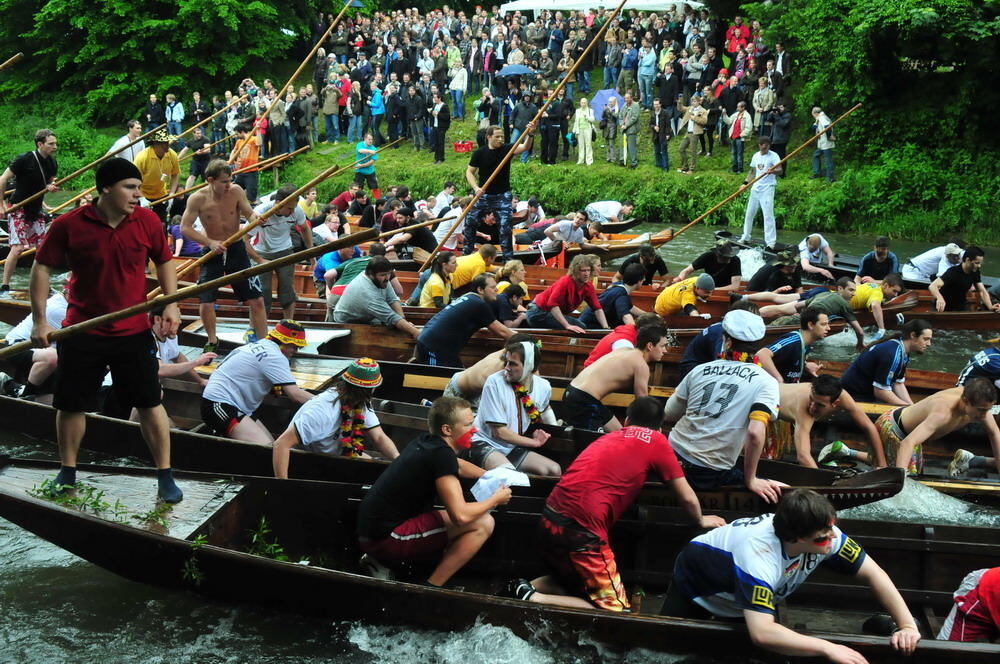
(239, 384)
(722, 408)
(396, 520)
(905, 430)
(624, 369)
(339, 421)
(597, 488)
(742, 570)
(514, 401)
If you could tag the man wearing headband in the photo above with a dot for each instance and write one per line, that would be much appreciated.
(513, 403)
(596, 490)
(397, 521)
(468, 384)
(626, 369)
(339, 421)
(722, 409)
(239, 384)
(107, 245)
(743, 570)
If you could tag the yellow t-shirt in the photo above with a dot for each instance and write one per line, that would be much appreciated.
(156, 172)
(673, 299)
(311, 209)
(504, 285)
(867, 295)
(469, 267)
(435, 287)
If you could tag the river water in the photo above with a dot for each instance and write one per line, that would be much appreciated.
(56, 607)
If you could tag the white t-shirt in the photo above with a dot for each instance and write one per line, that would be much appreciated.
(325, 233)
(275, 233)
(823, 143)
(569, 232)
(445, 226)
(247, 375)
(944, 264)
(130, 153)
(167, 350)
(929, 262)
(441, 201)
(55, 313)
(711, 407)
(760, 164)
(499, 405)
(318, 422)
(603, 210)
(805, 253)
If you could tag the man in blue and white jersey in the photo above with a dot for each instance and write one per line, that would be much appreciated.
(878, 373)
(985, 364)
(744, 569)
(785, 359)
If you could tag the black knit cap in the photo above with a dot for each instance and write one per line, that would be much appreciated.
(115, 170)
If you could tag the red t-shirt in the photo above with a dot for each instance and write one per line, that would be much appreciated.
(567, 294)
(108, 264)
(604, 480)
(343, 201)
(603, 347)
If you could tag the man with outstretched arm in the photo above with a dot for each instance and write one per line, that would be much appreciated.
(107, 245)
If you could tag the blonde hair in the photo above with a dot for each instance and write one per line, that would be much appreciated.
(509, 268)
(579, 262)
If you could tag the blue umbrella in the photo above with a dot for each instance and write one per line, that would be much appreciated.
(516, 70)
(600, 100)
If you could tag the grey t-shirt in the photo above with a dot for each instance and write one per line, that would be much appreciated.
(275, 233)
(364, 302)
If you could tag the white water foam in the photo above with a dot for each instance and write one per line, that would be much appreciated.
(917, 503)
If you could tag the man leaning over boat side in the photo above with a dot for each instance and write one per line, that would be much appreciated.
(722, 408)
(339, 421)
(625, 369)
(371, 300)
(110, 241)
(596, 490)
(239, 384)
(468, 384)
(741, 571)
(514, 402)
(397, 521)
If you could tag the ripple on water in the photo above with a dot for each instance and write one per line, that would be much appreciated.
(917, 503)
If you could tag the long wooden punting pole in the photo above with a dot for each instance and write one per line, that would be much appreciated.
(82, 169)
(281, 93)
(11, 61)
(190, 155)
(739, 191)
(369, 234)
(510, 153)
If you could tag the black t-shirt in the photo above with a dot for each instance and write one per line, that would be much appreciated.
(196, 144)
(423, 238)
(788, 355)
(870, 267)
(722, 273)
(770, 277)
(615, 301)
(487, 160)
(956, 286)
(364, 210)
(33, 172)
(406, 488)
(449, 330)
(502, 308)
(657, 267)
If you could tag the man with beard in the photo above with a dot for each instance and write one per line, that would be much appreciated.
(369, 300)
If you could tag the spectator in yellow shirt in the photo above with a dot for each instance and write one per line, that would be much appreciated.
(682, 296)
(158, 164)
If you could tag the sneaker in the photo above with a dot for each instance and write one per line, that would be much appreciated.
(373, 568)
(833, 451)
(959, 464)
(209, 347)
(734, 297)
(519, 589)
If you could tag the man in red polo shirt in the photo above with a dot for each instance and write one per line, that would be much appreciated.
(107, 246)
(590, 497)
(552, 307)
(623, 336)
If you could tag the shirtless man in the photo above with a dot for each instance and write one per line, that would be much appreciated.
(623, 369)
(803, 404)
(904, 430)
(468, 384)
(220, 206)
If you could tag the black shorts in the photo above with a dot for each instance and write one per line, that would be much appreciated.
(480, 451)
(19, 364)
(366, 179)
(234, 260)
(220, 417)
(583, 411)
(198, 168)
(84, 360)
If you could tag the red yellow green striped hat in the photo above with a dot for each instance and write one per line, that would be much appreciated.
(363, 373)
(289, 332)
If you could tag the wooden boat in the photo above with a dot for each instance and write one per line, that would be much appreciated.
(204, 545)
(980, 320)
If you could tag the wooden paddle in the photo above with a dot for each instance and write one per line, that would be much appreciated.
(742, 188)
(526, 137)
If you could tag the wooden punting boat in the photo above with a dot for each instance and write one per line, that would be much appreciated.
(980, 320)
(203, 544)
(203, 452)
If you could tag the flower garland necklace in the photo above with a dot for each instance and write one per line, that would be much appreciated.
(739, 356)
(525, 398)
(352, 441)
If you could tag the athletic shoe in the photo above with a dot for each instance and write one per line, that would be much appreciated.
(373, 568)
(959, 464)
(831, 452)
(519, 589)
(209, 347)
